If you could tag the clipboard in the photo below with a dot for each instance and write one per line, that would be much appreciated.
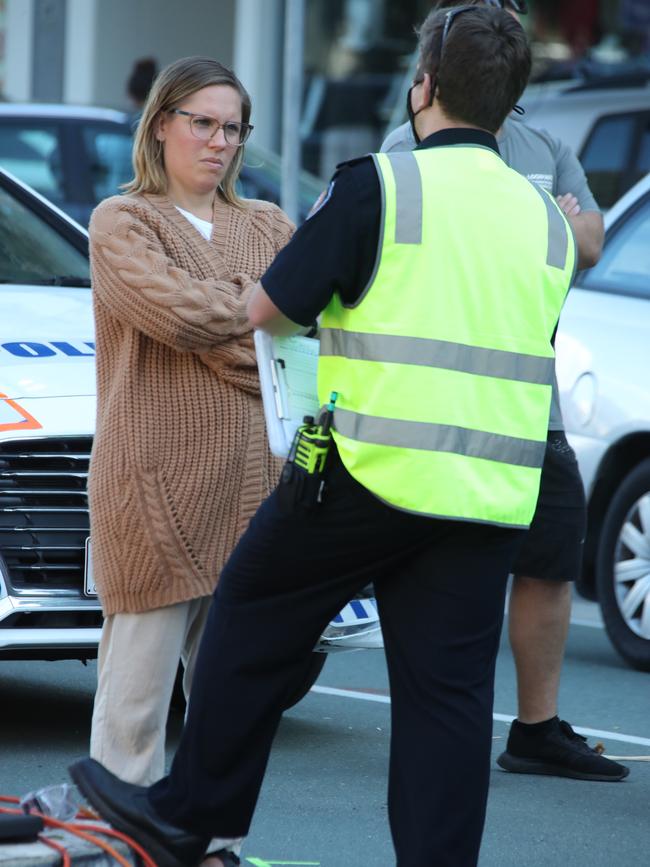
(288, 368)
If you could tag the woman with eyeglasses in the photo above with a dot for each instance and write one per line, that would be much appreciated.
(180, 461)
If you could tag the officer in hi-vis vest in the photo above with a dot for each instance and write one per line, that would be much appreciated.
(438, 312)
(550, 558)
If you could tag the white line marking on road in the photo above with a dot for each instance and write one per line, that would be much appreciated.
(351, 693)
(499, 717)
(575, 621)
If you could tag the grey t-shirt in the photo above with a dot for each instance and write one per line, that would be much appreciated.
(542, 159)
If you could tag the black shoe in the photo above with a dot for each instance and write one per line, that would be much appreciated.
(557, 752)
(127, 808)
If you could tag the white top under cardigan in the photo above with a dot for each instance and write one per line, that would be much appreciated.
(203, 226)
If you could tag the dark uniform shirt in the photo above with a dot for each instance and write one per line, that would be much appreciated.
(335, 250)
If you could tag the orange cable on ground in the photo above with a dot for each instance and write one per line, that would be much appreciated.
(63, 852)
(111, 832)
(89, 838)
(81, 831)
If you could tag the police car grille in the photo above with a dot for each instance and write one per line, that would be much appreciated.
(44, 514)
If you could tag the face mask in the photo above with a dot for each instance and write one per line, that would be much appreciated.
(449, 17)
(413, 114)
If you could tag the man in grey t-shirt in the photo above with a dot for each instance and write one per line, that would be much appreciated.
(540, 601)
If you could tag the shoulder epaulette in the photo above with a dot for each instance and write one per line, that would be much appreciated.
(350, 164)
(354, 162)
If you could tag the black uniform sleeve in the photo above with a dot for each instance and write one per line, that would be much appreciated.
(333, 251)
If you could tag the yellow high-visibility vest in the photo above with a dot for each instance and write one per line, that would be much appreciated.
(443, 367)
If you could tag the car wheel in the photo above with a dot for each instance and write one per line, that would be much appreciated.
(623, 568)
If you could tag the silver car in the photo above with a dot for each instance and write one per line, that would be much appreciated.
(606, 122)
(76, 156)
(603, 362)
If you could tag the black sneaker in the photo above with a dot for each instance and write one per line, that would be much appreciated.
(557, 752)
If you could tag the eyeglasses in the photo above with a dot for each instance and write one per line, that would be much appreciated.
(449, 18)
(520, 6)
(450, 14)
(204, 128)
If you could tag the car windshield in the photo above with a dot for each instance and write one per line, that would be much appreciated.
(32, 251)
(625, 265)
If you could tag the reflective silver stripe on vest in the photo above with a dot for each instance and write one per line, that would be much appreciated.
(394, 349)
(408, 191)
(558, 240)
(439, 438)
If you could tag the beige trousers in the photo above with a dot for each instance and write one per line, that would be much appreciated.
(136, 669)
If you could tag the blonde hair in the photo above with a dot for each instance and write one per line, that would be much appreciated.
(174, 84)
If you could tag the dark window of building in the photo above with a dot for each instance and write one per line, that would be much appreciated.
(357, 58)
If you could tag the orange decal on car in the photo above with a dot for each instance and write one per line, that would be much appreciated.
(14, 417)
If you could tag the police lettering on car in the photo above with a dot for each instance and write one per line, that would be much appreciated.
(30, 349)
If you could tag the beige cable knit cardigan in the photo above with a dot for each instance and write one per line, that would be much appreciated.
(179, 462)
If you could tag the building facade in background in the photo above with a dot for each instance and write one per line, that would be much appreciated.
(358, 55)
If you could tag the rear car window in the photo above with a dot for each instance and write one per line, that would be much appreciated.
(109, 159)
(643, 160)
(606, 157)
(32, 152)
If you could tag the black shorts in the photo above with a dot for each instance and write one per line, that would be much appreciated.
(552, 548)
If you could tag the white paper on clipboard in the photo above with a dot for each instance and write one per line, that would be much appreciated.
(288, 377)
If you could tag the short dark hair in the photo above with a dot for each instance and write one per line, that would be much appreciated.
(484, 67)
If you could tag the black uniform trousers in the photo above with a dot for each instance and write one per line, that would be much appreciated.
(440, 587)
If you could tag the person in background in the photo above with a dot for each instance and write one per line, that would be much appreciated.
(436, 362)
(139, 84)
(551, 556)
(180, 460)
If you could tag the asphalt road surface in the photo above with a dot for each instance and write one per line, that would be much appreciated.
(323, 802)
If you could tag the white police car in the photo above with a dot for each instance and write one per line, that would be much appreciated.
(47, 410)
